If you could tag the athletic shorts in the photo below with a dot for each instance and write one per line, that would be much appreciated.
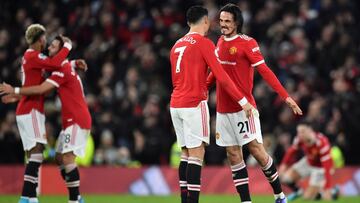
(72, 139)
(191, 125)
(235, 129)
(317, 174)
(32, 129)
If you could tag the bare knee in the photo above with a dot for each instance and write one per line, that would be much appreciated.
(68, 158)
(58, 159)
(258, 151)
(234, 154)
(197, 152)
(310, 193)
(37, 149)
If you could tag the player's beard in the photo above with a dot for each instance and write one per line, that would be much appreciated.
(227, 32)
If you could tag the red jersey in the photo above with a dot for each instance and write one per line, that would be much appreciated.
(74, 108)
(190, 58)
(318, 154)
(239, 55)
(34, 63)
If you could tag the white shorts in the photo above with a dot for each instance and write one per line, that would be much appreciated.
(191, 125)
(235, 129)
(72, 139)
(317, 174)
(32, 129)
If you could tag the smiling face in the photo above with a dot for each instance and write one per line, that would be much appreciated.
(228, 24)
(54, 47)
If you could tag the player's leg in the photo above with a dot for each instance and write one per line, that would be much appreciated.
(72, 143)
(196, 131)
(179, 131)
(239, 172)
(32, 132)
(290, 178)
(227, 135)
(311, 192)
(268, 166)
(72, 176)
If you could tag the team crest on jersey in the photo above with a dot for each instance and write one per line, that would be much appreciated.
(217, 135)
(233, 50)
(42, 56)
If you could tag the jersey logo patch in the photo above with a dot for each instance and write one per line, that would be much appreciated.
(233, 50)
(217, 136)
(255, 49)
(42, 56)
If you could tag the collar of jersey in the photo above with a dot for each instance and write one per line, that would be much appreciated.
(231, 38)
(190, 33)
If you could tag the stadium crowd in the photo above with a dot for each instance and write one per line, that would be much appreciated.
(312, 46)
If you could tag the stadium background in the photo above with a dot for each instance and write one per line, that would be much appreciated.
(312, 45)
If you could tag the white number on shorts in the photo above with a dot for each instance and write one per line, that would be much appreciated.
(242, 125)
(179, 50)
(67, 138)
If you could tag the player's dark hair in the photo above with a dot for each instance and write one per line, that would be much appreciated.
(237, 15)
(307, 123)
(195, 13)
(60, 39)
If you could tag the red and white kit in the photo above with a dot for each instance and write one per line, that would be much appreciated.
(239, 56)
(30, 110)
(76, 119)
(190, 58)
(317, 162)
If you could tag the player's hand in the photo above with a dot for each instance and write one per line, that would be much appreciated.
(249, 110)
(292, 104)
(66, 39)
(6, 89)
(9, 98)
(81, 63)
(327, 194)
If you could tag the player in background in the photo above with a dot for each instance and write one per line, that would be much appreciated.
(190, 58)
(316, 164)
(76, 119)
(240, 55)
(30, 110)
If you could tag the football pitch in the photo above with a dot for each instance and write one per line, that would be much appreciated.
(164, 199)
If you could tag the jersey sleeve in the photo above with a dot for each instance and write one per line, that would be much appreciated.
(291, 152)
(57, 78)
(208, 52)
(252, 52)
(272, 80)
(326, 160)
(42, 61)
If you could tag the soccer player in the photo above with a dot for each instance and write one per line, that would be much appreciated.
(30, 110)
(76, 119)
(190, 58)
(240, 55)
(316, 164)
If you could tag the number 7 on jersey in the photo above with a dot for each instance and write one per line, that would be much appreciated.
(179, 50)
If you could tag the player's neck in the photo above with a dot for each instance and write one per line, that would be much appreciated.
(197, 29)
(35, 46)
(231, 36)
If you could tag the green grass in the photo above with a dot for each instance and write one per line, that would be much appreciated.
(165, 199)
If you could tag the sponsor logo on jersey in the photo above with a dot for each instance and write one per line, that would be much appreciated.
(246, 136)
(233, 50)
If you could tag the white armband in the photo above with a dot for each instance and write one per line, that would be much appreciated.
(17, 90)
(243, 101)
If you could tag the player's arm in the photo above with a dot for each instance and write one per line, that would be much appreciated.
(27, 91)
(10, 98)
(208, 52)
(257, 61)
(79, 63)
(52, 63)
(289, 156)
(326, 161)
(210, 80)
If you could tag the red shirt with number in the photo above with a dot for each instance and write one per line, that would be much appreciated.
(74, 108)
(34, 64)
(190, 58)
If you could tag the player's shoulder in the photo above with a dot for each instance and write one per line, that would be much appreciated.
(321, 139)
(30, 53)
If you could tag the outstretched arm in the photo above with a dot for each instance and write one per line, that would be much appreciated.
(27, 91)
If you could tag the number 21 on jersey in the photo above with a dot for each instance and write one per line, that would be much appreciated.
(181, 51)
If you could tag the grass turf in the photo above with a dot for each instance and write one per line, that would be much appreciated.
(165, 199)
